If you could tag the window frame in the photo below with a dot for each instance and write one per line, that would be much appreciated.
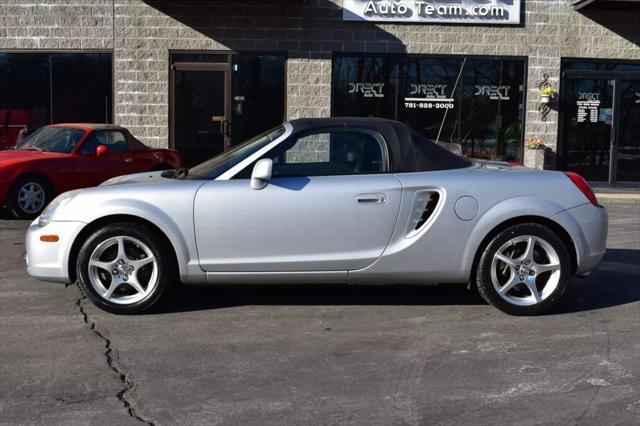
(386, 166)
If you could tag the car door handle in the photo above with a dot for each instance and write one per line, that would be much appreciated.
(371, 198)
(128, 160)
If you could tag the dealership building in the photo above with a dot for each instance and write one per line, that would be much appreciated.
(485, 76)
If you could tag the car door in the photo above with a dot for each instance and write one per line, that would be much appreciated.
(93, 170)
(330, 206)
(143, 158)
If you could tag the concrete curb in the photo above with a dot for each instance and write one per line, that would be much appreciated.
(618, 198)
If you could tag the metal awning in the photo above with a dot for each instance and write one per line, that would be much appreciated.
(606, 5)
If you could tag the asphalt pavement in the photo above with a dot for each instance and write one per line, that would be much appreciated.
(404, 355)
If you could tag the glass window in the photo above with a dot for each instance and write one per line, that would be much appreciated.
(214, 167)
(489, 122)
(362, 86)
(115, 140)
(24, 93)
(327, 153)
(52, 139)
(601, 65)
(258, 94)
(475, 103)
(426, 94)
(45, 88)
(628, 155)
(81, 88)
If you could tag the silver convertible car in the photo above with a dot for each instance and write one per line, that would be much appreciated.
(337, 200)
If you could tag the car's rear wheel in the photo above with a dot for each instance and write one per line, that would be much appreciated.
(28, 196)
(125, 268)
(524, 270)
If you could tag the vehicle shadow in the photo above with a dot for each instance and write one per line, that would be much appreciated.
(190, 298)
(5, 215)
(614, 283)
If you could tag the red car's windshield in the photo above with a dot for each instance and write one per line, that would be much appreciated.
(52, 139)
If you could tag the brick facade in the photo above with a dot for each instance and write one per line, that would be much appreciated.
(141, 34)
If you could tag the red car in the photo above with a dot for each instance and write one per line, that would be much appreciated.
(62, 157)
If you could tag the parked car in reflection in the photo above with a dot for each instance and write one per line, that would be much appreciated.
(13, 126)
(62, 157)
(336, 200)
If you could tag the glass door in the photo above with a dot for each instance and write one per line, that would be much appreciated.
(627, 168)
(588, 126)
(200, 114)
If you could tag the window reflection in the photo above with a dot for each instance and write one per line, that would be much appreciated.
(476, 103)
(44, 88)
(363, 86)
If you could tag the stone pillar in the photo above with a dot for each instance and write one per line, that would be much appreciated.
(308, 88)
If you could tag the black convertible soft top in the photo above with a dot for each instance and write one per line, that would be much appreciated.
(409, 151)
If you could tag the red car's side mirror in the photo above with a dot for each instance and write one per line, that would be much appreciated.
(102, 150)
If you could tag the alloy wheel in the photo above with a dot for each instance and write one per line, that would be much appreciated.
(123, 270)
(525, 270)
(31, 197)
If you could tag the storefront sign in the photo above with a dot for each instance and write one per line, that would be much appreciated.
(428, 96)
(495, 12)
(495, 93)
(588, 106)
(368, 90)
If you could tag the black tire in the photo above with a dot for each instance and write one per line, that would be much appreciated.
(489, 292)
(13, 202)
(165, 267)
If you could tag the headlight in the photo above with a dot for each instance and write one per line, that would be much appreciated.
(56, 204)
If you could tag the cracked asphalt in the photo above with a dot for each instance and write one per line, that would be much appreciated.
(324, 355)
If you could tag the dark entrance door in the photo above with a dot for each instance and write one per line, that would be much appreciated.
(588, 126)
(628, 149)
(200, 113)
(219, 100)
(600, 125)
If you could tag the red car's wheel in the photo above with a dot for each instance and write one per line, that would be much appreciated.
(28, 196)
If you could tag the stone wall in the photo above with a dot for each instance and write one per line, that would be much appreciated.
(56, 25)
(141, 34)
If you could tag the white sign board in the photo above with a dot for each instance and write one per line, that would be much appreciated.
(493, 12)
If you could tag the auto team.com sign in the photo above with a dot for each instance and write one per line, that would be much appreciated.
(497, 12)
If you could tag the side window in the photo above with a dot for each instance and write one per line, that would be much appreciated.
(328, 153)
(115, 140)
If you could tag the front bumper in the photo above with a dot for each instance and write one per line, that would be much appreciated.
(588, 226)
(49, 261)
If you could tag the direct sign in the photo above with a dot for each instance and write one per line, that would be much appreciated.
(494, 12)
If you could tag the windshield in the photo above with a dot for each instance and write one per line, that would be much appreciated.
(214, 167)
(52, 139)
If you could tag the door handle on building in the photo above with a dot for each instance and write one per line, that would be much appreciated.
(225, 128)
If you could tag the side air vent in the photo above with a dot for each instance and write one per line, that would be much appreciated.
(423, 207)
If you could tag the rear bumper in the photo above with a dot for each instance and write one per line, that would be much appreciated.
(49, 261)
(588, 227)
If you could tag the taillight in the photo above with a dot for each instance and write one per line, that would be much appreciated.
(583, 186)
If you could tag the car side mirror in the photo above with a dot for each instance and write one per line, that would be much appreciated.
(261, 174)
(102, 150)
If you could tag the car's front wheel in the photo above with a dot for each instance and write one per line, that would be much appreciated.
(524, 270)
(28, 196)
(125, 268)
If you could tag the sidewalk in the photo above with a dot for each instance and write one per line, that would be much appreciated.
(607, 194)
